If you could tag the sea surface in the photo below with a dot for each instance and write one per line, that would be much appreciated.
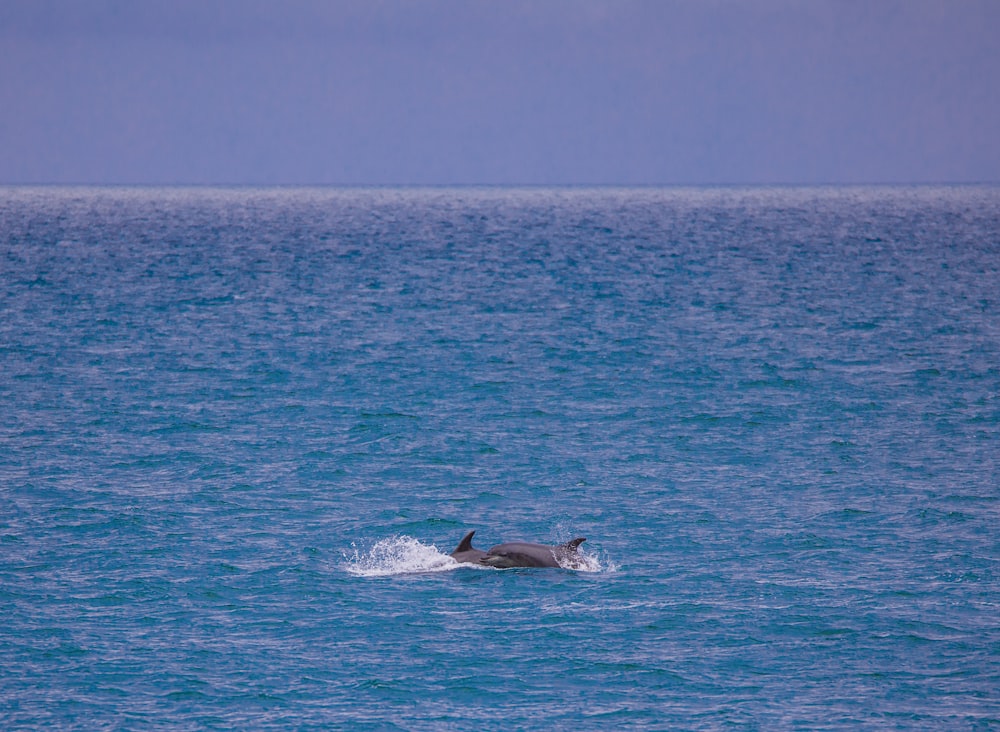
(243, 429)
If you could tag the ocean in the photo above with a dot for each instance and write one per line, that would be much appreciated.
(244, 428)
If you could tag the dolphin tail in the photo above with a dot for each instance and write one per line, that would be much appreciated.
(465, 545)
(573, 545)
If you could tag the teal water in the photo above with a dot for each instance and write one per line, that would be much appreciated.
(243, 429)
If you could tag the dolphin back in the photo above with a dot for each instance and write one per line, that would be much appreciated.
(524, 554)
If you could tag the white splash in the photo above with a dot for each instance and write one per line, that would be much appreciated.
(398, 555)
(584, 561)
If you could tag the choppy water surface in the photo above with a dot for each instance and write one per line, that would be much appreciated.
(244, 428)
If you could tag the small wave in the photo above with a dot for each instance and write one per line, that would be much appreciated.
(398, 555)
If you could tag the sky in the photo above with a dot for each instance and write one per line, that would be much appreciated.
(499, 92)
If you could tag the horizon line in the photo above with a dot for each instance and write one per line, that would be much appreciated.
(509, 185)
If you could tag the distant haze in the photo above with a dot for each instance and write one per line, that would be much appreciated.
(499, 92)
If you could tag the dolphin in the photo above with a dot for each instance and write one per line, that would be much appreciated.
(465, 553)
(523, 554)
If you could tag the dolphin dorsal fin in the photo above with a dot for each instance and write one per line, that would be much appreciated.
(573, 545)
(465, 545)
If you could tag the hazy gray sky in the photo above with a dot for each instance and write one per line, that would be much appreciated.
(499, 91)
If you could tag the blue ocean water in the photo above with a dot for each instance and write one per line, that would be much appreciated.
(243, 428)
